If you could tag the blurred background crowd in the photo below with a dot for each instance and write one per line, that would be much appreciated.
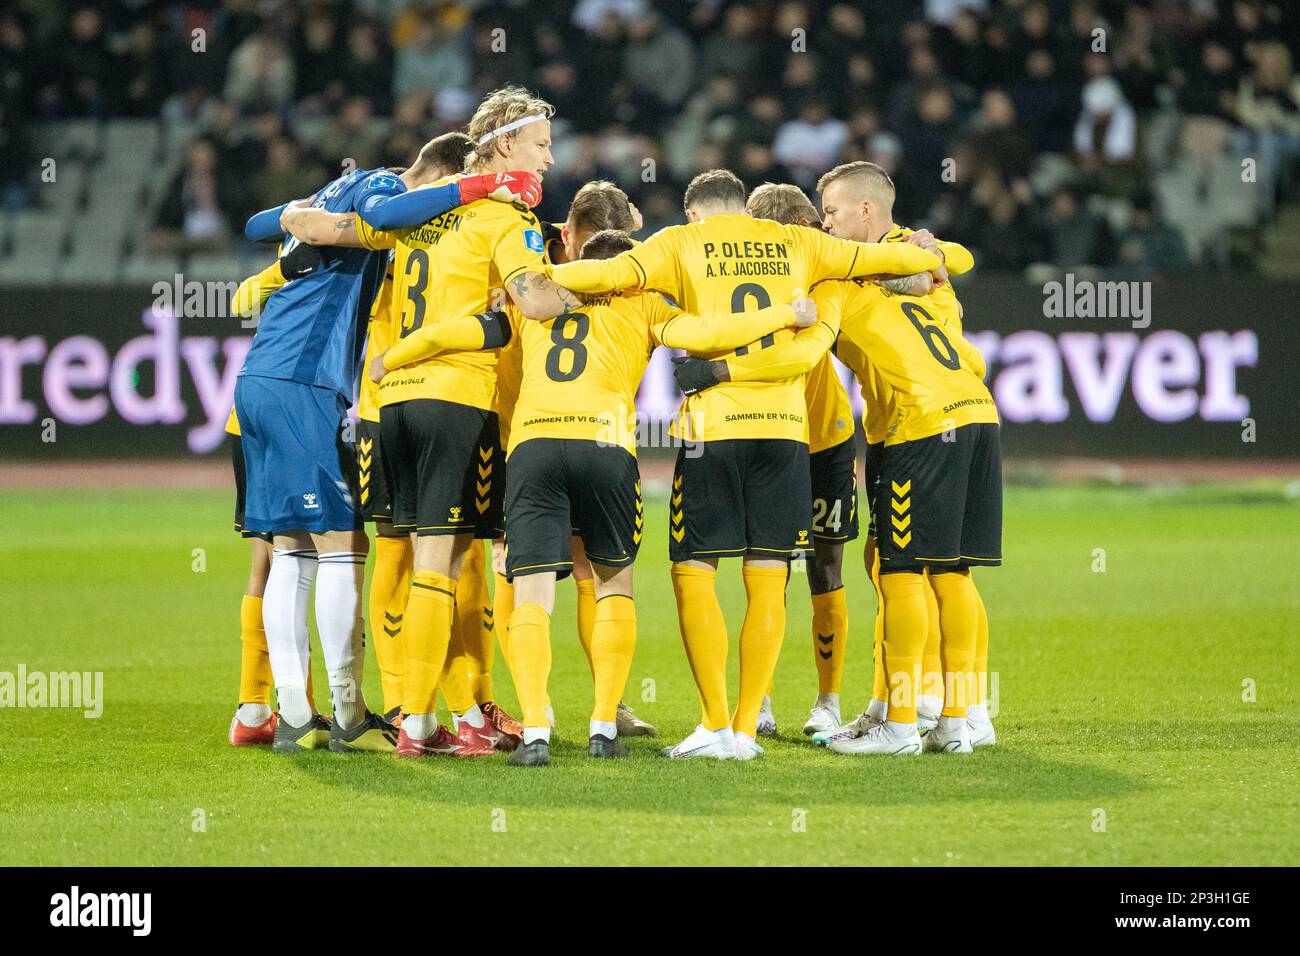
(1143, 138)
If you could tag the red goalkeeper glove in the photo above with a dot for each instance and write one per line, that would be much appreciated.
(503, 187)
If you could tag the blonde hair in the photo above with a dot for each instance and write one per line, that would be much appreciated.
(600, 205)
(499, 108)
(873, 178)
(783, 203)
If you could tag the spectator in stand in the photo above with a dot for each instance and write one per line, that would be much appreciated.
(141, 77)
(433, 51)
(318, 86)
(997, 140)
(738, 50)
(1268, 104)
(925, 141)
(1105, 138)
(351, 136)
(811, 144)
(1043, 101)
(287, 173)
(367, 65)
(1151, 246)
(659, 60)
(193, 216)
(1209, 86)
(261, 71)
(1075, 236)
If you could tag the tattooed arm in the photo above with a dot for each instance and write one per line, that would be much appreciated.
(539, 298)
(316, 227)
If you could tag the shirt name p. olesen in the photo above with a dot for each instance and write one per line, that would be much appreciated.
(75, 908)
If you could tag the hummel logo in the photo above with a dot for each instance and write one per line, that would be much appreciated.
(310, 500)
(455, 513)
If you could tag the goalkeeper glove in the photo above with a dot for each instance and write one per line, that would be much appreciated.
(503, 187)
(694, 375)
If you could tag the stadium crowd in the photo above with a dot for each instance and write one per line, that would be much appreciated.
(1076, 132)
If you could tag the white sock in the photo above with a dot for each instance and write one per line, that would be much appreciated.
(338, 600)
(877, 709)
(550, 716)
(253, 715)
(829, 701)
(473, 717)
(949, 724)
(766, 706)
(537, 733)
(606, 728)
(979, 712)
(420, 726)
(286, 645)
(929, 703)
(900, 729)
(307, 568)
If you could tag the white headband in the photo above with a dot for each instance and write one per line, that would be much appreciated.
(509, 127)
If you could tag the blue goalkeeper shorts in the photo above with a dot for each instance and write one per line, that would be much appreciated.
(301, 474)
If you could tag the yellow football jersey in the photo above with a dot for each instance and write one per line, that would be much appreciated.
(915, 344)
(877, 395)
(381, 333)
(734, 263)
(581, 369)
(830, 415)
(456, 264)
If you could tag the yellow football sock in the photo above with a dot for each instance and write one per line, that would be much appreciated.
(255, 680)
(879, 686)
(530, 654)
(760, 642)
(704, 633)
(476, 608)
(906, 624)
(613, 641)
(503, 605)
(830, 635)
(959, 618)
(457, 681)
(426, 632)
(587, 618)
(981, 651)
(931, 662)
(390, 584)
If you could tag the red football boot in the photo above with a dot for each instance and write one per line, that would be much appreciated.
(511, 731)
(241, 735)
(477, 741)
(443, 743)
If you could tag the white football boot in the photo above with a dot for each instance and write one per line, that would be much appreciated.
(747, 747)
(885, 738)
(980, 726)
(766, 719)
(719, 744)
(928, 708)
(853, 729)
(949, 736)
(824, 716)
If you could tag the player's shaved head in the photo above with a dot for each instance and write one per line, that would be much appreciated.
(598, 206)
(783, 203)
(860, 180)
(606, 244)
(442, 156)
(499, 109)
(717, 190)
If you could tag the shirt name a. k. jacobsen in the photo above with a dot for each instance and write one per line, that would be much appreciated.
(75, 908)
(74, 689)
(1085, 299)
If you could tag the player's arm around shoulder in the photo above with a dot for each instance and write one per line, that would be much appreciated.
(485, 330)
(519, 253)
(649, 265)
(784, 360)
(679, 329)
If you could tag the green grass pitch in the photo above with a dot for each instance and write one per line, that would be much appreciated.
(1124, 734)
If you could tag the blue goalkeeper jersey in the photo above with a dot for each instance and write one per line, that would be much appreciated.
(313, 329)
